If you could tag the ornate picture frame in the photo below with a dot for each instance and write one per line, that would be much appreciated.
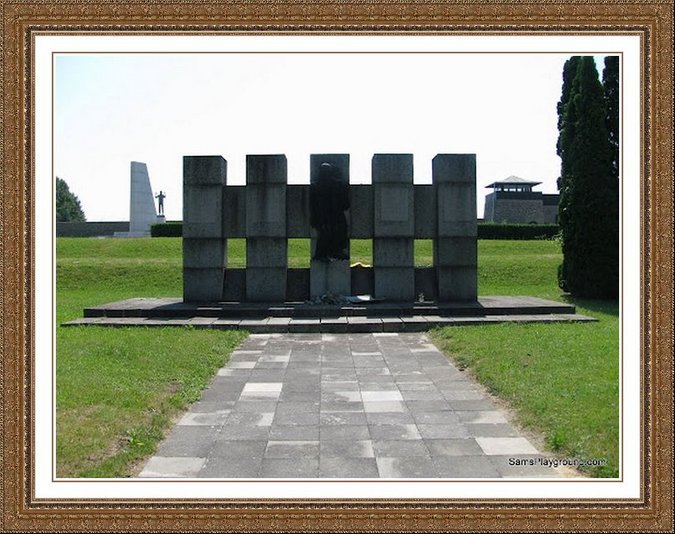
(24, 20)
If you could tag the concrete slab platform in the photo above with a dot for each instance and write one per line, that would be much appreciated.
(175, 308)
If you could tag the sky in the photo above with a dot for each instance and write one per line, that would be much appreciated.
(111, 109)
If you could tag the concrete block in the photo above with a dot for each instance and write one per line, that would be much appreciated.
(333, 277)
(392, 168)
(266, 211)
(235, 285)
(297, 285)
(425, 282)
(266, 196)
(425, 212)
(297, 211)
(204, 253)
(395, 283)
(457, 210)
(202, 285)
(394, 205)
(454, 168)
(455, 251)
(265, 284)
(267, 252)
(454, 176)
(362, 281)
(457, 284)
(393, 252)
(266, 169)
(202, 211)
(204, 170)
(361, 202)
(234, 211)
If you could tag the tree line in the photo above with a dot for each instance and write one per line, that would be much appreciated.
(68, 207)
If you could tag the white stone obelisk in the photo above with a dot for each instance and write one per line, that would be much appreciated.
(142, 211)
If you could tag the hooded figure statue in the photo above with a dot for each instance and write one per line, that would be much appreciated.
(328, 201)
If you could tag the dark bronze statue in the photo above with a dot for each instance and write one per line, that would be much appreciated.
(160, 202)
(328, 201)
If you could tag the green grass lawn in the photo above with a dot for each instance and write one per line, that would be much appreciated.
(119, 389)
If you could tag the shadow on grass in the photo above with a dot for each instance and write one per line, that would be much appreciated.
(609, 307)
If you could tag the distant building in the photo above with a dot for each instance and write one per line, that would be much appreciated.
(513, 201)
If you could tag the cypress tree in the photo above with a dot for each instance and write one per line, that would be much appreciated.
(68, 208)
(610, 83)
(588, 209)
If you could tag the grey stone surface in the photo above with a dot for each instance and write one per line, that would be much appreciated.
(395, 283)
(172, 467)
(290, 468)
(204, 253)
(455, 252)
(393, 227)
(315, 419)
(142, 212)
(515, 208)
(333, 277)
(348, 467)
(393, 252)
(202, 211)
(394, 205)
(204, 248)
(266, 252)
(425, 212)
(266, 243)
(361, 202)
(204, 170)
(455, 259)
(266, 284)
(202, 284)
(266, 196)
(297, 211)
(458, 284)
(234, 211)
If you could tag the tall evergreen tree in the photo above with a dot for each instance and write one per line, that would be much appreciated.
(610, 83)
(569, 71)
(68, 208)
(588, 210)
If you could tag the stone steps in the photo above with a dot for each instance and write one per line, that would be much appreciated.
(343, 324)
(176, 308)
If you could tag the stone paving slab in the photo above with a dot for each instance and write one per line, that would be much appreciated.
(349, 406)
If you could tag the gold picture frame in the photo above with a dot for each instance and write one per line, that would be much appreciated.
(23, 20)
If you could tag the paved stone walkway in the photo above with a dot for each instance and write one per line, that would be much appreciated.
(384, 405)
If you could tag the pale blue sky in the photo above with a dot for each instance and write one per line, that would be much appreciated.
(110, 109)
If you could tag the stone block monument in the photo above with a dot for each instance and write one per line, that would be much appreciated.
(393, 212)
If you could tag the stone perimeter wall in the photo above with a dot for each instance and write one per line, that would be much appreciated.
(267, 212)
(521, 208)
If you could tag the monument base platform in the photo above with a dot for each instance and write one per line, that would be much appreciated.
(304, 317)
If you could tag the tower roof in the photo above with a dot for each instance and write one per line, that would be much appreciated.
(512, 180)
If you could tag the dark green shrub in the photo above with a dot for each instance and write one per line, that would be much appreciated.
(170, 229)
